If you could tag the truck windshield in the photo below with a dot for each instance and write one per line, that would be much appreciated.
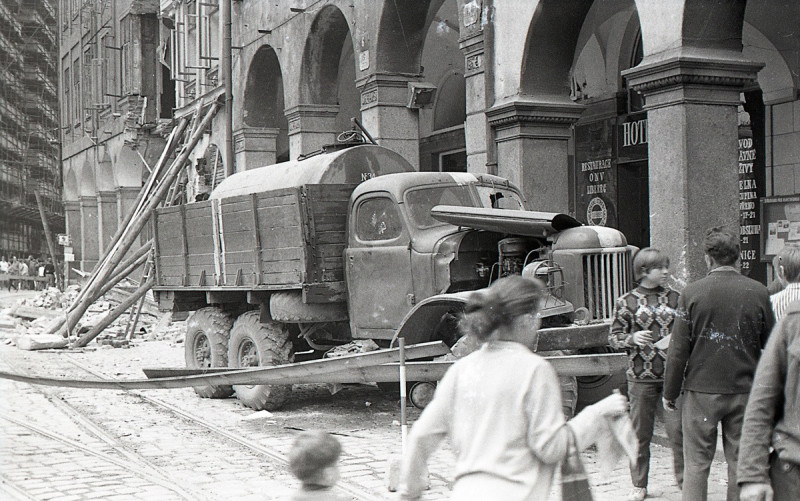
(420, 201)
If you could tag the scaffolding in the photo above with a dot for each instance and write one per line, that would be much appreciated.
(29, 125)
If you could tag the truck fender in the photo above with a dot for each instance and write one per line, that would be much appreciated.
(432, 319)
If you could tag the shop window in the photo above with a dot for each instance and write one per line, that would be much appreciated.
(378, 219)
(453, 161)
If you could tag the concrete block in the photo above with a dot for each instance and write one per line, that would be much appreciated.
(783, 176)
(783, 118)
(786, 148)
(41, 342)
(797, 116)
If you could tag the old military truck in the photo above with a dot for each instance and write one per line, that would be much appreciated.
(354, 244)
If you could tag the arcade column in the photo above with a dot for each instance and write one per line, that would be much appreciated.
(90, 242)
(475, 129)
(106, 218)
(691, 104)
(311, 126)
(126, 198)
(532, 149)
(72, 210)
(386, 117)
(254, 147)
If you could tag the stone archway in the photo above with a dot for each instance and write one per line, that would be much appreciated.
(264, 139)
(533, 112)
(692, 75)
(328, 97)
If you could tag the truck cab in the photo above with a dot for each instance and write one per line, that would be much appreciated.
(398, 254)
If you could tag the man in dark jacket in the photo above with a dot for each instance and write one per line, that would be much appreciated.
(772, 419)
(723, 322)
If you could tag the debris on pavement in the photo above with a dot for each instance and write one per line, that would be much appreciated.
(358, 346)
(27, 321)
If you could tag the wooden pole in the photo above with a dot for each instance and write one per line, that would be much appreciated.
(172, 142)
(115, 313)
(130, 264)
(49, 236)
(403, 406)
(138, 222)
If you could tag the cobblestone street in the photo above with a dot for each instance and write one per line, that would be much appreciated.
(69, 444)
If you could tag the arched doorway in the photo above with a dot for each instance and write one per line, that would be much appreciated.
(442, 145)
(264, 105)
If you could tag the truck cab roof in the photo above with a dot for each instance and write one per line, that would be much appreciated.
(397, 185)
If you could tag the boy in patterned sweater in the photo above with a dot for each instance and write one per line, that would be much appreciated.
(642, 317)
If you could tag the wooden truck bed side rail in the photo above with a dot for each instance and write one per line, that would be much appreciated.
(288, 238)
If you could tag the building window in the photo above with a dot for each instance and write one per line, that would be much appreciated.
(130, 55)
(76, 91)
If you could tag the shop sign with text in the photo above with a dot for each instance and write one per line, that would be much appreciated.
(595, 173)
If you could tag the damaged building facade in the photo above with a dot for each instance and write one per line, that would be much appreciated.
(628, 113)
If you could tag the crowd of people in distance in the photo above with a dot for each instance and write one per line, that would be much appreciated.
(43, 269)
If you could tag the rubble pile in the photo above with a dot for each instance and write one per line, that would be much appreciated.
(26, 323)
(52, 298)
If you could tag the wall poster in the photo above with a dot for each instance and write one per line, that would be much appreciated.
(751, 189)
(780, 216)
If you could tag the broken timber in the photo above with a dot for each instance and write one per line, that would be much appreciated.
(566, 365)
(258, 375)
(372, 367)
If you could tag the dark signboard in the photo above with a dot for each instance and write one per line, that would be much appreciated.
(632, 138)
(751, 189)
(595, 173)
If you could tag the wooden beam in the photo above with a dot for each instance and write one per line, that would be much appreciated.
(569, 365)
(280, 374)
(574, 337)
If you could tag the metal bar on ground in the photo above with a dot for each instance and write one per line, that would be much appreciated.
(281, 374)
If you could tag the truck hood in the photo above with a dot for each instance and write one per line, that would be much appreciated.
(517, 222)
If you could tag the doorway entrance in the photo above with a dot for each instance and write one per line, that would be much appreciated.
(633, 203)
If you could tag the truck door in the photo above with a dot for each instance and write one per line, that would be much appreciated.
(378, 270)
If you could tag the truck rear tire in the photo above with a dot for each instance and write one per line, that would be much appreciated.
(289, 307)
(206, 345)
(256, 344)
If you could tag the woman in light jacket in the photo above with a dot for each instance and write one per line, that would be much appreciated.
(501, 405)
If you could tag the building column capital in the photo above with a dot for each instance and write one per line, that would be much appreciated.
(72, 205)
(385, 89)
(106, 196)
(254, 138)
(128, 191)
(715, 79)
(307, 117)
(474, 53)
(534, 119)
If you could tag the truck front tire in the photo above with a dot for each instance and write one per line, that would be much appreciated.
(206, 346)
(256, 344)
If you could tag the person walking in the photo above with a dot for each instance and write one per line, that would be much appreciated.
(713, 352)
(772, 419)
(23, 272)
(500, 405)
(3, 271)
(50, 272)
(13, 269)
(789, 273)
(642, 317)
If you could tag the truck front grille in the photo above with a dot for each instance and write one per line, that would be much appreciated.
(606, 277)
